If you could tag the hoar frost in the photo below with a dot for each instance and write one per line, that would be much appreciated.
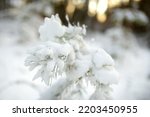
(75, 65)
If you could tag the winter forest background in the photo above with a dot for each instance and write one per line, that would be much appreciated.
(120, 27)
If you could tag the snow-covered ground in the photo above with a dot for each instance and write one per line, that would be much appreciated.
(16, 37)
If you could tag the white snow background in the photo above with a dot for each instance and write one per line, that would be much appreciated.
(18, 35)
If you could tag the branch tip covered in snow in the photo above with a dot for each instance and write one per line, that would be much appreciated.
(66, 53)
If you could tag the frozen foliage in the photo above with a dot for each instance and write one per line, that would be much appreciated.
(70, 64)
(49, 33)
(132, 61)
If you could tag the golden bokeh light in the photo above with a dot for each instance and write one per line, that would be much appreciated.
(137, 0)
(79, 3)
(70, 8)
(114, 3)
(92, 7)
(102, 6)
(96, 8)
(101, 17)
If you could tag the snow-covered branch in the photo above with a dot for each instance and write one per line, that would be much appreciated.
(65, 53)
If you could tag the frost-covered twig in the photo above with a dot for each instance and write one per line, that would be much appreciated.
(65, 53)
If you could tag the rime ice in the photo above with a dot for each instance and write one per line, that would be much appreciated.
(67, 57)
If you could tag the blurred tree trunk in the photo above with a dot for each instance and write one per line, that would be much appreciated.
(4, 4)
(145, 6)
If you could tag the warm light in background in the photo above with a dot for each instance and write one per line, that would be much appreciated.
(70, 8)
(79, 3)
(101, 17)
(92, 7)
(137, 0)
(101, 10)
(96, 8)
(114, 3)
(102, 6)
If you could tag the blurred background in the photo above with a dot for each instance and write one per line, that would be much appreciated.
(121, 27)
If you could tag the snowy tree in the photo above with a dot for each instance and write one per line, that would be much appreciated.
(73, 68)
